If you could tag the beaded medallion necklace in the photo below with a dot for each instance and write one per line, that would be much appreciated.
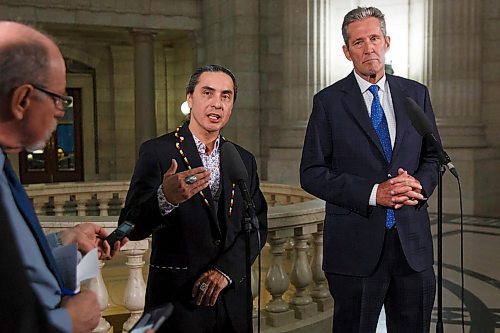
(188, 165)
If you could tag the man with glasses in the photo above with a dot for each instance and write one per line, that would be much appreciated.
(32, 86)
(61, 102)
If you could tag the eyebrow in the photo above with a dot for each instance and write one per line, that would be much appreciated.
(228, 91)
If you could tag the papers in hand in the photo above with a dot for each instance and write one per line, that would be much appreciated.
(73, 268)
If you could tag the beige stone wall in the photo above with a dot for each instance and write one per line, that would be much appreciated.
(490, 50)
(229, 36)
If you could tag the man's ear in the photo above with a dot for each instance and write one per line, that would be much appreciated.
(346, 52)
(189, 99)
(21, 100)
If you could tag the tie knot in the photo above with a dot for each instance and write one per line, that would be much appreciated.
(374, 90)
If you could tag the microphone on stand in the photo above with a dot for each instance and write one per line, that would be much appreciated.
(233, 165)
(423, 126)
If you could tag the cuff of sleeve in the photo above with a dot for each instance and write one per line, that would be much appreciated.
(224, 274)
(54, 240)
(373, 196)
(165, 206)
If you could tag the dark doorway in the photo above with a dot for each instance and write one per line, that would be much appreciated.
(62, 158)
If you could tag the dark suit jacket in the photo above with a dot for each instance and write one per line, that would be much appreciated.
(192, 239)
(342, 160)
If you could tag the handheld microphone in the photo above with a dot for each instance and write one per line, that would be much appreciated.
(233, 166)
(423, 126)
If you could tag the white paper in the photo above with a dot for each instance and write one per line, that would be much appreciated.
(88, 267)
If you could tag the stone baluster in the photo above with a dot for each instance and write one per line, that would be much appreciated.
(320, 292)
(254, 287)
(38, 203)
(103, 199)
(135, 291)
(97, 285)
(81, 201)
(278, 311)
(301, 276)
(59, 201)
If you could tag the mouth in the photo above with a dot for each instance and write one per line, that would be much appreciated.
(369, 60)
(214, 116)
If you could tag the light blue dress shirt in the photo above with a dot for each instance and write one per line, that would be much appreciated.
(40, 277)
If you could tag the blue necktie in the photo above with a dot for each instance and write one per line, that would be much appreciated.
(26, 209)
(380, 124)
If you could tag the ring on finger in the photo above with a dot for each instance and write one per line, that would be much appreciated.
(190, 180)
(203, 287)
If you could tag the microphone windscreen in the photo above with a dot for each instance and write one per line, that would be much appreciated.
(418, 117)
(232, 164)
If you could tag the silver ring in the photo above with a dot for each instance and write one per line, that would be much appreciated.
(191, 180)
(203, 286)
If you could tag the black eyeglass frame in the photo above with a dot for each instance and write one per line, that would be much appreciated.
(66, 101)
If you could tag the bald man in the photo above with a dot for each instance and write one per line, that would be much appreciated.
(32, 98)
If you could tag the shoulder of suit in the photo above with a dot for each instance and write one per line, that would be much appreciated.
(168, 138)
(335, 87)
(404, 82)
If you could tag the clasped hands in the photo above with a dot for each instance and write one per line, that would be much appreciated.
(402, 190)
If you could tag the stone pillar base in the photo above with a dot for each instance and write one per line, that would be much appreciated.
(276, 319)
(324, 304)
(478, 171)
(305, 311)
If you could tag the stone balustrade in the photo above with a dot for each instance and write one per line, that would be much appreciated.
(294, 290)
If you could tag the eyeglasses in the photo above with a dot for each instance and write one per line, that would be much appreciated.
(61, 102)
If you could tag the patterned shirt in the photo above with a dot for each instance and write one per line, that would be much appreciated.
(211, 162)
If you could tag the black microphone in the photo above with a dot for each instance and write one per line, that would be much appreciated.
(424, 128)
(233, 166)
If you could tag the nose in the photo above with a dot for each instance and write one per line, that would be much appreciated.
(59, 114)
(368, 47)
(217, 102)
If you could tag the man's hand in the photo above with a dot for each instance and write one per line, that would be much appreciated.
(399, 191)
(88, 236)
(208, 287)
(83, 310)
(176, 189)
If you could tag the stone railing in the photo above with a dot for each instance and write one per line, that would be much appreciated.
(294, 289)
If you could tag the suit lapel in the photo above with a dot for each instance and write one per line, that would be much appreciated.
(188, 147)
(232, 203)
(402, 121)
(355, 104)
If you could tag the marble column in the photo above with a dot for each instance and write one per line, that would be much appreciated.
(145, 110)
(455, 72)
(305, 70)
(455, 80)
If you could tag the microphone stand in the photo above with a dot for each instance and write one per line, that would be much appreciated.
(249, 221)
(247, 227)
(439, 325)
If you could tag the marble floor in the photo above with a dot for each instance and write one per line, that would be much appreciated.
(481, 275)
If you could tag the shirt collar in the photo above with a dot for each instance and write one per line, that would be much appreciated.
(364, 85)
(202, 148)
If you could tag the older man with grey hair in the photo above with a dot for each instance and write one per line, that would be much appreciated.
(32, 98)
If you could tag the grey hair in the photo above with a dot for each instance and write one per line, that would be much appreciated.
(22, 62)
(195, 77)
(361, 13)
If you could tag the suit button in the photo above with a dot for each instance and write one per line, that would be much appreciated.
(217, 242)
